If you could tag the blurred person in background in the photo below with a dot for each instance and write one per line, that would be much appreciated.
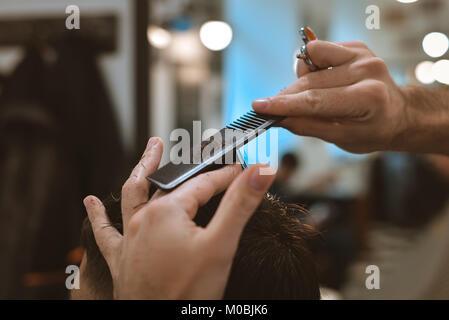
(290, 163)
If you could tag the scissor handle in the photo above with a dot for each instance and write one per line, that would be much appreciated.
(307, 35)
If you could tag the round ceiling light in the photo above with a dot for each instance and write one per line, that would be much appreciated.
(158, 37)
(440, 71)
(435, 44)
(216, 35)
(424, 73)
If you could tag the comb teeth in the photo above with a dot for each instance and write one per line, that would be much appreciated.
(249, 121)
(250, 125)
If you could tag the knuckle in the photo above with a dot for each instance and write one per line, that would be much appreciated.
(208, 186)
(127, 187)
(233, 170)
(379, 62)
(134, 224)
(375, 92)
(278, 101)
(379, 92)
(360, 44)
(206, 182)
(152, 214)
(164, 208)
(140, 188)
(371, 66)
(315, 49)
(157, 206)
(134, 186)
(190, 204)
(312, 99)
(304, 83)
(379, 66)
(205, 178)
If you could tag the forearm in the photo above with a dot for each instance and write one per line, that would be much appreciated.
(426, 119)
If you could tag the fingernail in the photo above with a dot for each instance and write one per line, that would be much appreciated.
(261, 104)
(152, 142)
(89, 199)
(261, 180)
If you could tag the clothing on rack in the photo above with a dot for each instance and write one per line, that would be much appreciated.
(60, 142)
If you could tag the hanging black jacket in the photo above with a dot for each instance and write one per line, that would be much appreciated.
(60, 142)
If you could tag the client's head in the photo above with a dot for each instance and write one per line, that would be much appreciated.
(272, 259)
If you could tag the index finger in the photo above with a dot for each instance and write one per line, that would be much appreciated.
(198, 191)
(238, 205)
(343, 102)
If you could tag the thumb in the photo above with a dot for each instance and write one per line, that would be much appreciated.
(239, 203)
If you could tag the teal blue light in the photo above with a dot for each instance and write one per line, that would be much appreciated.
(259, 61)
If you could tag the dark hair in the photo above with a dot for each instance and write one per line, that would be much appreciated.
(272, 259)
(290, 160)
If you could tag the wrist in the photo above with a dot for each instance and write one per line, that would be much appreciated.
(425, 121)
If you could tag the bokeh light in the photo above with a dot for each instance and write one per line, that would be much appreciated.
(216, 35)
(158, 37)
(423, 72)
(440, 71)
(435, 44)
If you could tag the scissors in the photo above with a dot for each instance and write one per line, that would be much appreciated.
(307, 35)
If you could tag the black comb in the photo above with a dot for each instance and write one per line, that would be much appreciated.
(245, 129)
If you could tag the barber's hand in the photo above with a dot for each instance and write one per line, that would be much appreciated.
(163, 254)
(355, 105)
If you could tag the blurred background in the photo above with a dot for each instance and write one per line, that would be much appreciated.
(77, 107)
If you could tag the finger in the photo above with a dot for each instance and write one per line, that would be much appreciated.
(199, 190)
(302, 68)
(327, 78)
(350, 102)
(325, 54)
(353, 44)
(136, 189)
(158, 194)
(106, 236)
(150, 159)
(328, 130)
(238, 205)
